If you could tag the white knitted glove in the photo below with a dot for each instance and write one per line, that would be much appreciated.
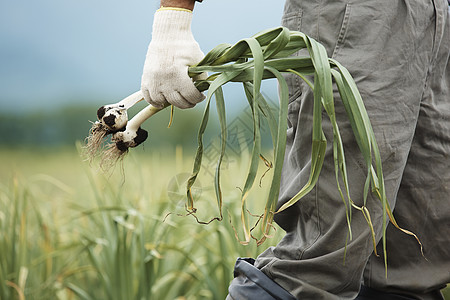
(171, 50)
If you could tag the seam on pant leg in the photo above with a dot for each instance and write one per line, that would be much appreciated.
(293, 21)
(319, 11)
(343, 31)
(439, 29)
(319, 231)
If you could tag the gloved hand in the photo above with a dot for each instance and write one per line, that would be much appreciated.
(171, 50)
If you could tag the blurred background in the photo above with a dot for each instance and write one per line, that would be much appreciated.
(61, 60)
(70, 230)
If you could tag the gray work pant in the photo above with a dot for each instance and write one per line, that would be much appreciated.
(398, 53)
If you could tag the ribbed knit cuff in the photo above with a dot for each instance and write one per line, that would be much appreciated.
(171, 24)
(174, 8)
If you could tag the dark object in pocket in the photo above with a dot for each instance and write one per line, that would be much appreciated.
(250, 283)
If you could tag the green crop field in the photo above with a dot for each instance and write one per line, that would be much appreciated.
(70, 231)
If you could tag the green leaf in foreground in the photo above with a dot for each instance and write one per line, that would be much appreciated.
(265, 56)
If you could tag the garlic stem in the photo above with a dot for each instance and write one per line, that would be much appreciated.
(131, 100)
(135, 122)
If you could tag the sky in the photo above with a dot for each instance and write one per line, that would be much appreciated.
(55, 53)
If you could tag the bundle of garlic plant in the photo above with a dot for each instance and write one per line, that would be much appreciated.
(266, 55)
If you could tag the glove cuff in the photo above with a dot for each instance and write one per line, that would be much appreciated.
(174, 8)
(169, 24)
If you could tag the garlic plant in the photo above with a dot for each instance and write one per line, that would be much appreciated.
(251, 60)
(114, 116)
(113, 120)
